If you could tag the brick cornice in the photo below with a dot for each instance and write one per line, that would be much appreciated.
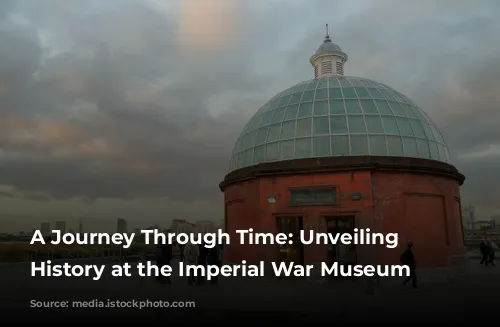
(339, 164)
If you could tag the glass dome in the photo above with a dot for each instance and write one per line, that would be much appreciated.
(338, 116)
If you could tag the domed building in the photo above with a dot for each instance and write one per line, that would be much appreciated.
(337, 153)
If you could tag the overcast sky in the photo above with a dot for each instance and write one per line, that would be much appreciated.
(124, 108)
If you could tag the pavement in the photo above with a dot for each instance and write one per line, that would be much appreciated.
(250, 299)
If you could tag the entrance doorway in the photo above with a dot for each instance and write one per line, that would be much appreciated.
(291, 252)
(341, 253)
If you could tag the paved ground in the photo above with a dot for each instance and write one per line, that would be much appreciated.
(251, 298)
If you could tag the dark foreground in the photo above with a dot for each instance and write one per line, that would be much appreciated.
(249, 300)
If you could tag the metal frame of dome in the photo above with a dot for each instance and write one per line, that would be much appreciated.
(338, 116)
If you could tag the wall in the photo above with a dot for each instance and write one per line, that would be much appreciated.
(241, 207)
(419, 207)
(247, 206)
(424, 209)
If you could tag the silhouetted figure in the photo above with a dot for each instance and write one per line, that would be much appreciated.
(490, 253)
(202, 261)
(483, 248)
(163, 258)
(213, 259)
(181, 250)
(143, 259)
(408, 258)
(191, 253)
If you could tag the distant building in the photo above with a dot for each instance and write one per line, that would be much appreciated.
(495, 219)
(183, 227)
(61, 225)
(468, 217)
(45, 229)
(205, 226)
(71, 231)
(154, 227)
(80, 227)
(222, 225)
(137, 231)
(121, 226)
(176, 223)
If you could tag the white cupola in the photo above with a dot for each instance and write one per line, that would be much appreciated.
(329, 59)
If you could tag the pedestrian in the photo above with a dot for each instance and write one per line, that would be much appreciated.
(221, 253)
(202, 261)
(163, 258)
(142, 259)
(181, 250)
(191, 253)
(213, 259)
(490, 252)
(408, 259)
(483, 248)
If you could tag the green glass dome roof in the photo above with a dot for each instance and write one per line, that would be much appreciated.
(338, 116)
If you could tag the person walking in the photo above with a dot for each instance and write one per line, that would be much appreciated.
(191, 253)
(163, 258)
(490, 253)
(181, 252)
(143, 260)
(483, 248)
(408, 259)
(202, 261)
(213, 259)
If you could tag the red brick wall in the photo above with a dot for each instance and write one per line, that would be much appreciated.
(424, 209)
(253, 210)
(421, 208)
(241, 211)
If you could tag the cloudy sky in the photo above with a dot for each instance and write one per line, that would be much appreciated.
(123, 108)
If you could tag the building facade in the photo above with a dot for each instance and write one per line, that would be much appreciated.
(45, 229)
(205, 226)
(121, 226)
(177, 225)
(61, 226)
(337, 153)
(469, 216)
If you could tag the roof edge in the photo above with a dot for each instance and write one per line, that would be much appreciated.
(347, 163)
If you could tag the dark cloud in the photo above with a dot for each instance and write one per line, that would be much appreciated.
(115, 100)
(119, 124)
